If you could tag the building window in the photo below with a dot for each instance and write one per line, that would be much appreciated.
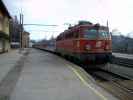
(7, 22)
(1, 23)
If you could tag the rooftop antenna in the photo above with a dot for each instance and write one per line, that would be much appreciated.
(107, 24)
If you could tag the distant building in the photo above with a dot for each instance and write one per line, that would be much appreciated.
(15, 33)
(32, 42)
(4, 28)
(122, 44)
(25, 39)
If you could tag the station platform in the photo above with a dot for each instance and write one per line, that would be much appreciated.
(46, 76)
(8, 61)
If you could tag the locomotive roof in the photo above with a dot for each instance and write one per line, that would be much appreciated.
(76, 27)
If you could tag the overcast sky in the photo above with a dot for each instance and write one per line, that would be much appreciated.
(117, 12)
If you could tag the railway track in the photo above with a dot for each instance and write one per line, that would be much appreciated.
(122, 61)
(115, 84)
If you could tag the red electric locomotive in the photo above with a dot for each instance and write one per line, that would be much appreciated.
(85, 42)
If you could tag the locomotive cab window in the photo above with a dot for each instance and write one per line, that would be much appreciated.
(103, 34)
(91, 34)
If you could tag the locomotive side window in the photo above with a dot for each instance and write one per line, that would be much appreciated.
(76, 34)
(104, 34)
(69, 35)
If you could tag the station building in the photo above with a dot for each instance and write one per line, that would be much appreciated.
(15, 33)
(4, 28)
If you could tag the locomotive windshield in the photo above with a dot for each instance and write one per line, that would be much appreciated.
(94, 34)
(91, 34)
(103, 34)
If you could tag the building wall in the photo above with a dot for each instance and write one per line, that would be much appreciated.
(25, 40)
(14, 28)
(1, 21)
(1, 45)
(4, 29)
(7, 46)
(6, 25)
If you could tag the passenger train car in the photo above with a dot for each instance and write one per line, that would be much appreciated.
(85, 42)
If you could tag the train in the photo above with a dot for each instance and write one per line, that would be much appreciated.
(85, 42)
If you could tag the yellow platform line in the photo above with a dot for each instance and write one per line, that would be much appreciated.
(86, 84)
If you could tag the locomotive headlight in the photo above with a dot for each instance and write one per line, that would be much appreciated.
(88, 47)
(107, 47)
(98, 44)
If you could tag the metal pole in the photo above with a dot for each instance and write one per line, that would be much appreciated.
(20, 34)
(20, 41)
(22, 31)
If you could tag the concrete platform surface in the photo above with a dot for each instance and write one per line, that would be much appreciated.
(48, 77)
(7, 61)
